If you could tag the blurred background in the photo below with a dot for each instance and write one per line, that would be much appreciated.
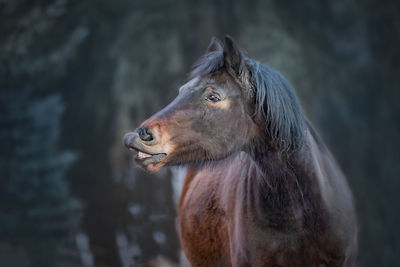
(76, 75)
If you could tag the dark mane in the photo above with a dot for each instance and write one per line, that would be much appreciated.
(275, 100)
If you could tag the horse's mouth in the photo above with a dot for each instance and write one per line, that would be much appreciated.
(145, 158)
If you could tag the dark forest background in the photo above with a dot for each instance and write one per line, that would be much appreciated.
(76, 75)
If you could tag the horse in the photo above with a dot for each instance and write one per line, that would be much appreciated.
(262, 188)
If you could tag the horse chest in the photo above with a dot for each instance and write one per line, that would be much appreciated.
(202, 224)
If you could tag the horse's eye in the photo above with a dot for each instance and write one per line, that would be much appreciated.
(213, 98)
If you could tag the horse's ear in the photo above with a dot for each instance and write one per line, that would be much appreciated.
(215, 45)
(233, 57)
(235, 64)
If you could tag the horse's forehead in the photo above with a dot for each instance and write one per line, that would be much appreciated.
(197, 81)
(190, 85)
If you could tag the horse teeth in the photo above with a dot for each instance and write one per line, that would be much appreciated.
(142, 155)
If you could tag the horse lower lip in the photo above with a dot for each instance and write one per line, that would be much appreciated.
(152, 159)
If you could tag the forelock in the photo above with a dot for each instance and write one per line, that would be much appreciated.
(207, 64)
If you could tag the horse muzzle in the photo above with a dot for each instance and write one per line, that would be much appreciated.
(142, 142)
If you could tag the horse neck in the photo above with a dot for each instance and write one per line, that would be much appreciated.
(282, 189)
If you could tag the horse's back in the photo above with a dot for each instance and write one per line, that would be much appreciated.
(336, 196)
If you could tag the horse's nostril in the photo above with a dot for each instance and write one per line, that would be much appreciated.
(145, 134)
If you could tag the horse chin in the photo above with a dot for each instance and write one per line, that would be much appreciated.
(153, 168)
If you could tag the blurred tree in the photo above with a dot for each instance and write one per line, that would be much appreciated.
(39, 218)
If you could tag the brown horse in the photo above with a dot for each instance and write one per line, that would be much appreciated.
(261, 189)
